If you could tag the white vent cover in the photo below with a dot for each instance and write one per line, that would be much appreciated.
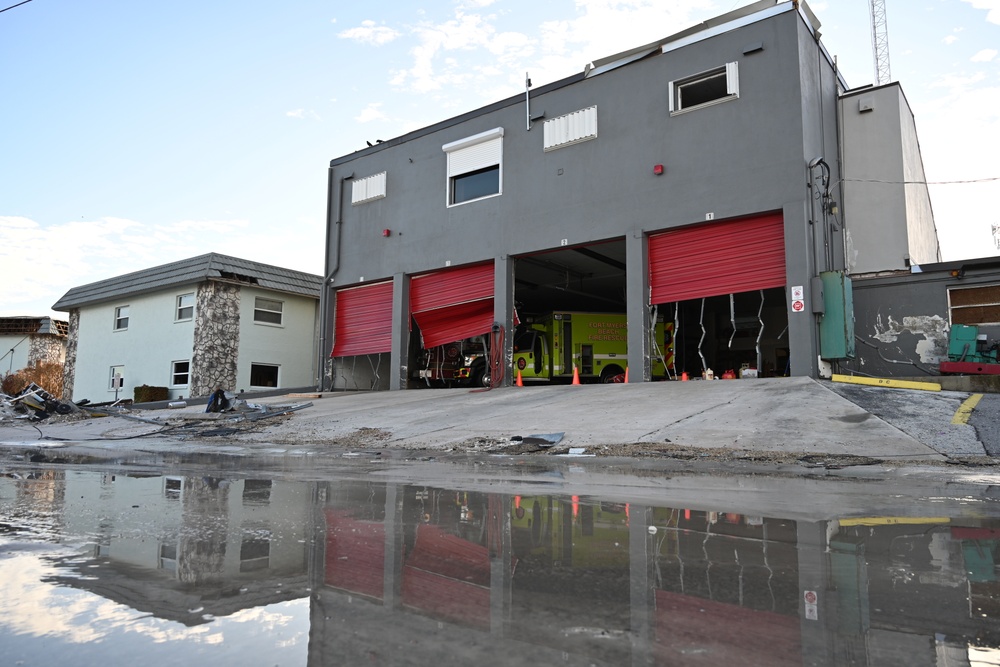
(369, 188)
(571, 128)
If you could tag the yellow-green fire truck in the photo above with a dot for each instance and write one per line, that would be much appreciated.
(595, 344)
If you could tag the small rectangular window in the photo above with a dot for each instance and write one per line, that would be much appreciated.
(267, 311)
(121, 318)
(975, 305)
(264, 375)
(116, 379)
(179, 373)
(475, 167)
(185, 307)
(716, 85)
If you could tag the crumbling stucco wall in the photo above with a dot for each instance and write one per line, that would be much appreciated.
(216, 338)
(69, 367)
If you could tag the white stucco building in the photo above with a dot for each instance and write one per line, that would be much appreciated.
(27, 341)
(192, 326)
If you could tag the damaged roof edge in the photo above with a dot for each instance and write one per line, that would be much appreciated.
(212, 266)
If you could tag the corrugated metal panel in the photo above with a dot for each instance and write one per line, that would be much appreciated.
(363, 320)
(454, 304)
(369, 188)
(451, 287)
(355, 554)
(718, 258)
(570, 129)
(477, 156)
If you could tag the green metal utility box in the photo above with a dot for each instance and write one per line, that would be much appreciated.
(836, 325)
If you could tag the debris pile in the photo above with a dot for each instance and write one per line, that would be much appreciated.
(33, 404)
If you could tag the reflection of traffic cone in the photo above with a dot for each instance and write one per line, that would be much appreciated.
(626, 375)
(520, 382)
(684, 376)
(576, 375)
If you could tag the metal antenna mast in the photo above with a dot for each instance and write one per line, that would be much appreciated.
(880, 42)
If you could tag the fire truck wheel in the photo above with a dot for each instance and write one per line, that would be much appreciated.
(480, 377)
(612, 374)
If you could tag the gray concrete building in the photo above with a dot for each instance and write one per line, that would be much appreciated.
(698, 180)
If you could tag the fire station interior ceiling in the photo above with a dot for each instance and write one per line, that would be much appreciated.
(585, 278)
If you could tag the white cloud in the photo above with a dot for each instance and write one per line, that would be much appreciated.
(992, 8)
(302, 114)
(984, 56)
(371, 112)
(370, 33)
(950, 39)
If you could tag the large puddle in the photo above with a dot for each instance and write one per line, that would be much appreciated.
(557, 565)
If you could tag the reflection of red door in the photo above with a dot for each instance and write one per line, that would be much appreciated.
(695, 631)
(355, 554)
(448, 577)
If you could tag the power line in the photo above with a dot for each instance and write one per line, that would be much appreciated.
(875, 180)
(13, 6)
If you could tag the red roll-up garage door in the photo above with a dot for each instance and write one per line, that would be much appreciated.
(363, 323)
(453, 304)
(717, 258)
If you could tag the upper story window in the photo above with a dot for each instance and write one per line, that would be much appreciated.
(267, 311)
(475, 167)
(185, 307)
(975, 305)
(716, 85)
(368, 189)
(121, 318)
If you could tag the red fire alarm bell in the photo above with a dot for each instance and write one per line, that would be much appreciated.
(658, 169)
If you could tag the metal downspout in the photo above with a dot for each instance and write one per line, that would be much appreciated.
(331, 271)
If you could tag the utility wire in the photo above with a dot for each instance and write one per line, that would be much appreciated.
(13, 6)
(875, 180)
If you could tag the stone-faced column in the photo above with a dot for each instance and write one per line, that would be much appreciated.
(216, 338)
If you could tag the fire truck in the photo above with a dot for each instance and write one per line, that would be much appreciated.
(551, 348)
(592, 345)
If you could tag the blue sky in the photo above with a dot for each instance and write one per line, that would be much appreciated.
(137, 133)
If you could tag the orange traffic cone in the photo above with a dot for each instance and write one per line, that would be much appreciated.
(576, 375)
(520, 382)
(684, 376)
(626, 375)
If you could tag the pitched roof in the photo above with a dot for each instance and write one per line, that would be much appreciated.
(212, 266)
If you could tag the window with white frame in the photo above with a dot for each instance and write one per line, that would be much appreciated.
(180, 373)
(121, 318)
(264, 375)
(716, 85)
(267, 311)
(116, 379)
(368, 189)
(475, 167)
(185, 307)
(975, 305)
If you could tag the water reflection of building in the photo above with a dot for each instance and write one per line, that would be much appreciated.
(411, 573)
(186, 548)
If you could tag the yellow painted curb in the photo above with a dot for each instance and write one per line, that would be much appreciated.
(886, 382)
(965, 409)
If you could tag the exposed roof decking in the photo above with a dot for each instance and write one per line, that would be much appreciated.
(212, 266)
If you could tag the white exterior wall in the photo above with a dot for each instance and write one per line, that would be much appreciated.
(147, 348)
(14, 353)
(920, 227)
(291, 346)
